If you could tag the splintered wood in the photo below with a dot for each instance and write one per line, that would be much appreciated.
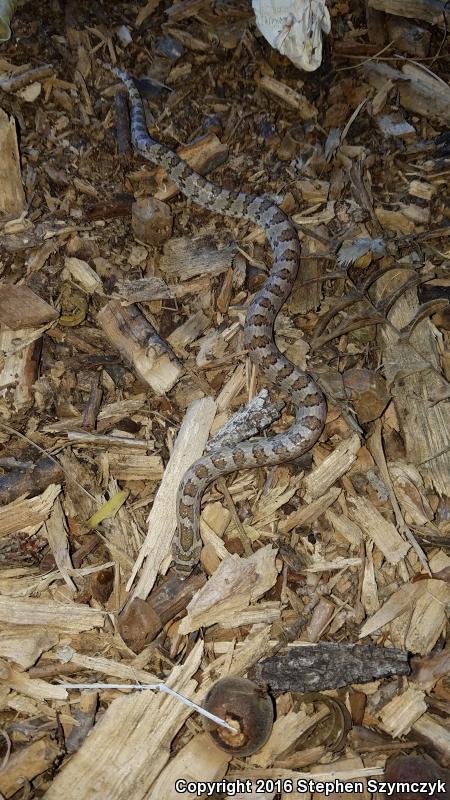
(162, 518)
(124, 358)
(12, 196)
(139, 344)
(114, 760)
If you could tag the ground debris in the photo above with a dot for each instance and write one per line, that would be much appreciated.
(123, 360)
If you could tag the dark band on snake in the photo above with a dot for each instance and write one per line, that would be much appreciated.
(308, 400)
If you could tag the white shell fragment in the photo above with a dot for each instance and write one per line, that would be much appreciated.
(294, 28)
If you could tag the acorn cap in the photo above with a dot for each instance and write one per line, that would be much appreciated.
(244, 705)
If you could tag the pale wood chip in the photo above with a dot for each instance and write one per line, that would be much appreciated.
(398, 716)
(12, 195)
(332, 468)
(309, 513)
(382, 532)
(188, 447)
(24, 645)
(198, 760)
(234, 586)
(70, 617)
(31, 687)
(128, 748)
(23, 513)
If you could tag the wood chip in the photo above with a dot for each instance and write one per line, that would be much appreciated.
(382, 532)
(22, 513)
(12, 195)
(398, 716)
(140, 345)
(162, 518)
(70, 617)
(332, 468)
(309, 513)
(22, 308)
(288, 96)
(113, 756)
(236, 583)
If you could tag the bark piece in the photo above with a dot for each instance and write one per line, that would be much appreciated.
(118, 206)
(17, 483)
(139, 344)
(306, 296)
(12, 196)
(123, 132)
(93, 404)
(151, 220)
(25, 78)
(423, 769)
(329, 666)
(21, 308)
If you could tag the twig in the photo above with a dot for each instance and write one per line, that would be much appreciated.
(366, 61)
(46, 453)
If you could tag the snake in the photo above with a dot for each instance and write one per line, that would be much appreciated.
(306, 396)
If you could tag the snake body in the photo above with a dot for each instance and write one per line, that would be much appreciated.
(308, 400)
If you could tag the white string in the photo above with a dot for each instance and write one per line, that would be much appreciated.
(157, 687)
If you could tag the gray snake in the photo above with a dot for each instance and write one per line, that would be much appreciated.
(309, 402)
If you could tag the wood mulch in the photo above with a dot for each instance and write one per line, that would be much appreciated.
(122, 306)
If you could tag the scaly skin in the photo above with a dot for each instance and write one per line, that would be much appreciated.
(309, 402)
